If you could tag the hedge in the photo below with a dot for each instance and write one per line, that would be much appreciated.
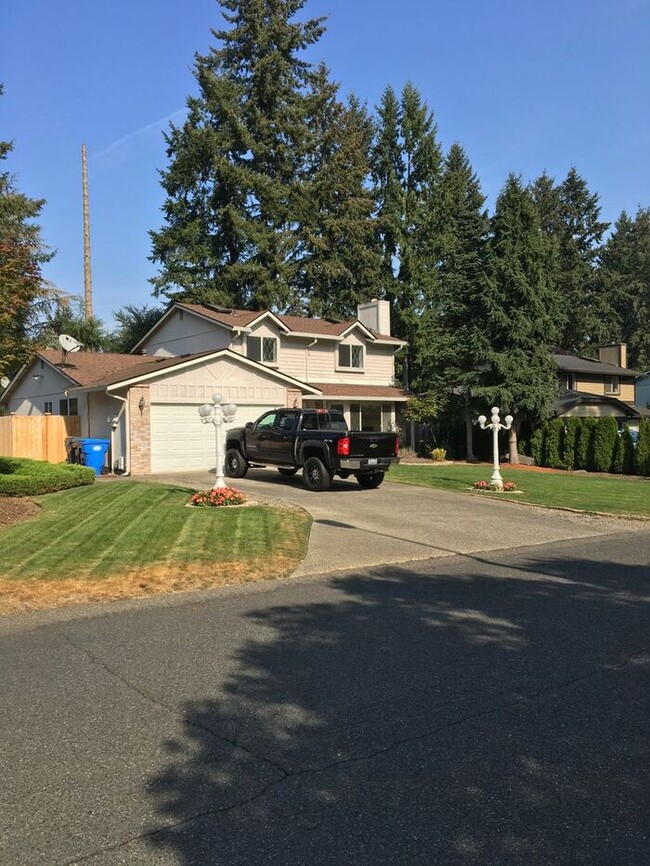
(23, 477)
(594, 444)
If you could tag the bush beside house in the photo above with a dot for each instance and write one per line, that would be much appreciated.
(23, 477)
(592, 444)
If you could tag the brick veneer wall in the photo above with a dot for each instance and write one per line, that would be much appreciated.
(140, 432)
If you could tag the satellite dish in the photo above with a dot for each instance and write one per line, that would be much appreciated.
(69, 344)
(4, 382)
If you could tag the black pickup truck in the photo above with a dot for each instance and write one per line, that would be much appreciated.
(314, 440)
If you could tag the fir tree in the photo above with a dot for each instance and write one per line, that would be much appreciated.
(237, 165)
(625, 281)
(22, 253)
(461, 230)
(570, 219)
(520, 311)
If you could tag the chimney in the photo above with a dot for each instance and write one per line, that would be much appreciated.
(614, 353)
(376, 316)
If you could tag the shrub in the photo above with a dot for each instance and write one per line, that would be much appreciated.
(569, 442)
(629, 466)
(551, 450)
(604, 442)
(584, 445)
(642, 450)
(617, 456)
(23, 477)
(537, 444)
(438, 454)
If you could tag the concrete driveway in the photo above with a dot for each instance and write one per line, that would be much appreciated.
(400, 523)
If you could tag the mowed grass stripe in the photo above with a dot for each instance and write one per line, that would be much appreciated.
(610, 493)
(61, 533)
(112, 528)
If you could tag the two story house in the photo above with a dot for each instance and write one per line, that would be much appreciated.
(146, 402)
(594, 388)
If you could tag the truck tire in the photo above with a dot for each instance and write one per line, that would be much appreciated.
(316, 475)
(235, 466)
(369, 482)
(287, 470)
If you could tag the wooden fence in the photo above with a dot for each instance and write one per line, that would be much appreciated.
(41, 437)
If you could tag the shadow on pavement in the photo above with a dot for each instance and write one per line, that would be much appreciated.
(434, 714)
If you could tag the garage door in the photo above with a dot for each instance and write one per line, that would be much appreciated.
(180, 441)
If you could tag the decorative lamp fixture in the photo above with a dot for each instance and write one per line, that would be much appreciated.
(141, 404)
(495, 425)
(218, 413)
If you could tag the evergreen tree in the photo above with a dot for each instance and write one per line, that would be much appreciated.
(133, 323)
(625, 281)
(22, 253)
(570, 219)
(237, 165)
(520, 309)
(406, 166)
(461, 232)
(69, 318)
(339, 266)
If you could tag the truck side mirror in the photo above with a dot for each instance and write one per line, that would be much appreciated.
(249, 425)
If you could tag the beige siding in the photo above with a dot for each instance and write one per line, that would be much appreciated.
(596, 385)
(189, 334)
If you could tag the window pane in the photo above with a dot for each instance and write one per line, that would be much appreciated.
(344, 356)
(267, 420)
(355, 416)
(73, 406)
(254, 348)
(269, 353)
(48, 408)
(357, 356)
(63, 407)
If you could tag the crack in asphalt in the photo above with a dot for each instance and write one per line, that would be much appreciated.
(518, 701)
(151, 699)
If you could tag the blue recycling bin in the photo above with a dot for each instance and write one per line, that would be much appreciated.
(94, 452)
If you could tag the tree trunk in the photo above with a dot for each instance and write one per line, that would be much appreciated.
(513, 455)
(469, 439)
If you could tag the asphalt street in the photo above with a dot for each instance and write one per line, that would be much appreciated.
(477, 708)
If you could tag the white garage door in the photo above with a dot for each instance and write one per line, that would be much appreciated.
(179, 440)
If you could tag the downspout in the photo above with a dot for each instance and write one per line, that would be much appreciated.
(127, 426)
(308, 347)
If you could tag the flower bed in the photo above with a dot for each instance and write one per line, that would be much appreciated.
(508, 487)
(217, 497)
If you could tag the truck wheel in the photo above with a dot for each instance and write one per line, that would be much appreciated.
(235, 466)
(287, 470)
(369, 482)
(315, 475)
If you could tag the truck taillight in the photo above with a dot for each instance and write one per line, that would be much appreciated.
(396, 445)
(343, 447)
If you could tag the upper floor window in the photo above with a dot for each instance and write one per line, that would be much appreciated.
(47, 408)
(612, 385)
(68, 407)
(264, 349)
(351, 356)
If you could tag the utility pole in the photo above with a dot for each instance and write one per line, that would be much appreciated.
(88, 282)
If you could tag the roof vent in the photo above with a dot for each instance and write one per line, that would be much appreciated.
(218, 309)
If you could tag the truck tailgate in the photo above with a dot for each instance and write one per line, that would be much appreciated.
(372, 445)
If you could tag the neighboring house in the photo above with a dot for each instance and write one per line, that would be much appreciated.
(595, 388)
(146, 402)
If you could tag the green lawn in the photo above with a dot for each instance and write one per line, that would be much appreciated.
(120, 531)
(565, 490)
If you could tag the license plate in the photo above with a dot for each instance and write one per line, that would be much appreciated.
(372, 461)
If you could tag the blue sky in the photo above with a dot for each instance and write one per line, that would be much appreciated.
(524, 86)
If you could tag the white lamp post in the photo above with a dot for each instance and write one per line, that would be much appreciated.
(218, 413)
(495, 425)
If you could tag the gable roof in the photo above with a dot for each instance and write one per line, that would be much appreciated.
(150, 366)
(292, 325)
(580, 364)
(569, 399)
